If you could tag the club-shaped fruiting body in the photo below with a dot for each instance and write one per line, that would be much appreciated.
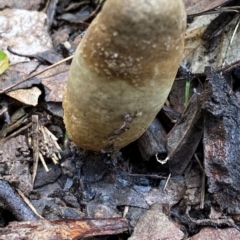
(123, 71)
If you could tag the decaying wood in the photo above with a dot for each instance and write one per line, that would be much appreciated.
(153, 140)
(184, 138)
(63, 229)
(222, 142)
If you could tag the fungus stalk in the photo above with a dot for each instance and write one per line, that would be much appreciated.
(123, 71)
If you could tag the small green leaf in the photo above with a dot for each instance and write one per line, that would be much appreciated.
(187, 92)
(4, 64)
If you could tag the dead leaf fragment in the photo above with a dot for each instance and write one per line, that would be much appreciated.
(199, 6)
(28, 96)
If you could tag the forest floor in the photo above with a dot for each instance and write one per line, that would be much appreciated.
(179, 180)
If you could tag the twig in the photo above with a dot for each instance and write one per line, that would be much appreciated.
(43, 162)
(55, 159)
(28, 203)
(54, 138)
(34, 75)
(235, 30)
(64, 228)
(11, 127)
(15, 133)
(49, 143)
(169, 176)
(153, 176)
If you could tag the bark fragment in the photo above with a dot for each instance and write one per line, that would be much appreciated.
(222, 141)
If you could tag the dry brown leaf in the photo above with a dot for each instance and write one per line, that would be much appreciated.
(28, 96)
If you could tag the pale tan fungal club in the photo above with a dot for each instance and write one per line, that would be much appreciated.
(123, 71)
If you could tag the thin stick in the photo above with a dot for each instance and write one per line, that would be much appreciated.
(51, 134)
(54, 159)
(169, 176)
(43, 162)
(53, 137)
(15, 133)
(29, 203)
(34, 75)
(235, 30)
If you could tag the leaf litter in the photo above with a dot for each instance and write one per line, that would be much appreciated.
(71, 183)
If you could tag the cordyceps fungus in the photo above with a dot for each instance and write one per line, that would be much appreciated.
(123, 71)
